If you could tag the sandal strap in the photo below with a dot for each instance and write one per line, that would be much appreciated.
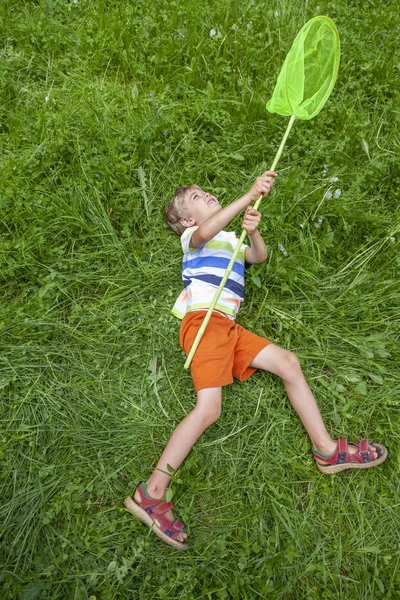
(158, 505)
(158, 508)
(363, 455)
(363, 451)
(342, 451)
(163, 508)
(177, 525)
(170, 528)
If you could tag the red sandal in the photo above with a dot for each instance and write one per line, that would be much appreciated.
(149, 509)
(342, 459)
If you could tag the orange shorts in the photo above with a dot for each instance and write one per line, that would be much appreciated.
(225, 350)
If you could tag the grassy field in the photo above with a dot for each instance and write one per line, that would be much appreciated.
(106, 106)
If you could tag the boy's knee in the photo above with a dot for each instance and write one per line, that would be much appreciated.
(209, 414)
(291, 366)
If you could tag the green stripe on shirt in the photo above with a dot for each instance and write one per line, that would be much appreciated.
(218, 245)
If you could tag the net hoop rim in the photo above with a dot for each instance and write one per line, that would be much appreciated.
(306, 26)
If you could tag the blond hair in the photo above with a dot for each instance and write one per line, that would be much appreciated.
(175, 209)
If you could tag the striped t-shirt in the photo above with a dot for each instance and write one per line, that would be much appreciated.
(202, 271)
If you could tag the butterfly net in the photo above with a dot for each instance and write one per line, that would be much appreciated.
(309, 71)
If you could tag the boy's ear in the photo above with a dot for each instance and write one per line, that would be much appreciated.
(187, 221)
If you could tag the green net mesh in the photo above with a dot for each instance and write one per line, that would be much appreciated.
(309, 71)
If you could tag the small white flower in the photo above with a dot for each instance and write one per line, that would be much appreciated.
(282, 249)
(301, 225)
(328, 195)
(235, 27)
(319, 222)
(393, 239)
(46, 99)
(212, 32)
(276, 13)
(337, 193)
(334, 179)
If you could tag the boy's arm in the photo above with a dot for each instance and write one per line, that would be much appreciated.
(257, 252)
(216, 223)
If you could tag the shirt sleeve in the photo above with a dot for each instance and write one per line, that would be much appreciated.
(185, 240)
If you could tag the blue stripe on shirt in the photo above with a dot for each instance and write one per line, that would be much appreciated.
(233, 286)
(214, 262)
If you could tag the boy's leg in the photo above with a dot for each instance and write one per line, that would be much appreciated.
(206, 412)
(286, 364)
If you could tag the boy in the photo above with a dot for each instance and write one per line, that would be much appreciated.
(226, 349)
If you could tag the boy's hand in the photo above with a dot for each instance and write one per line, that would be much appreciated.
(262, 186)
(251, 221)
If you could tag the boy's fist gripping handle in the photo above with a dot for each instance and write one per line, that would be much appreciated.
(234, 256)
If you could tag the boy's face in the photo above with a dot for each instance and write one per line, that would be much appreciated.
(200, 205)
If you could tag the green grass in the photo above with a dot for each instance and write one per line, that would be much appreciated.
(105, 108)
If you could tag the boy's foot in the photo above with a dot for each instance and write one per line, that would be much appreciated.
(346, 455)
(168, 515)
(157, 513)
